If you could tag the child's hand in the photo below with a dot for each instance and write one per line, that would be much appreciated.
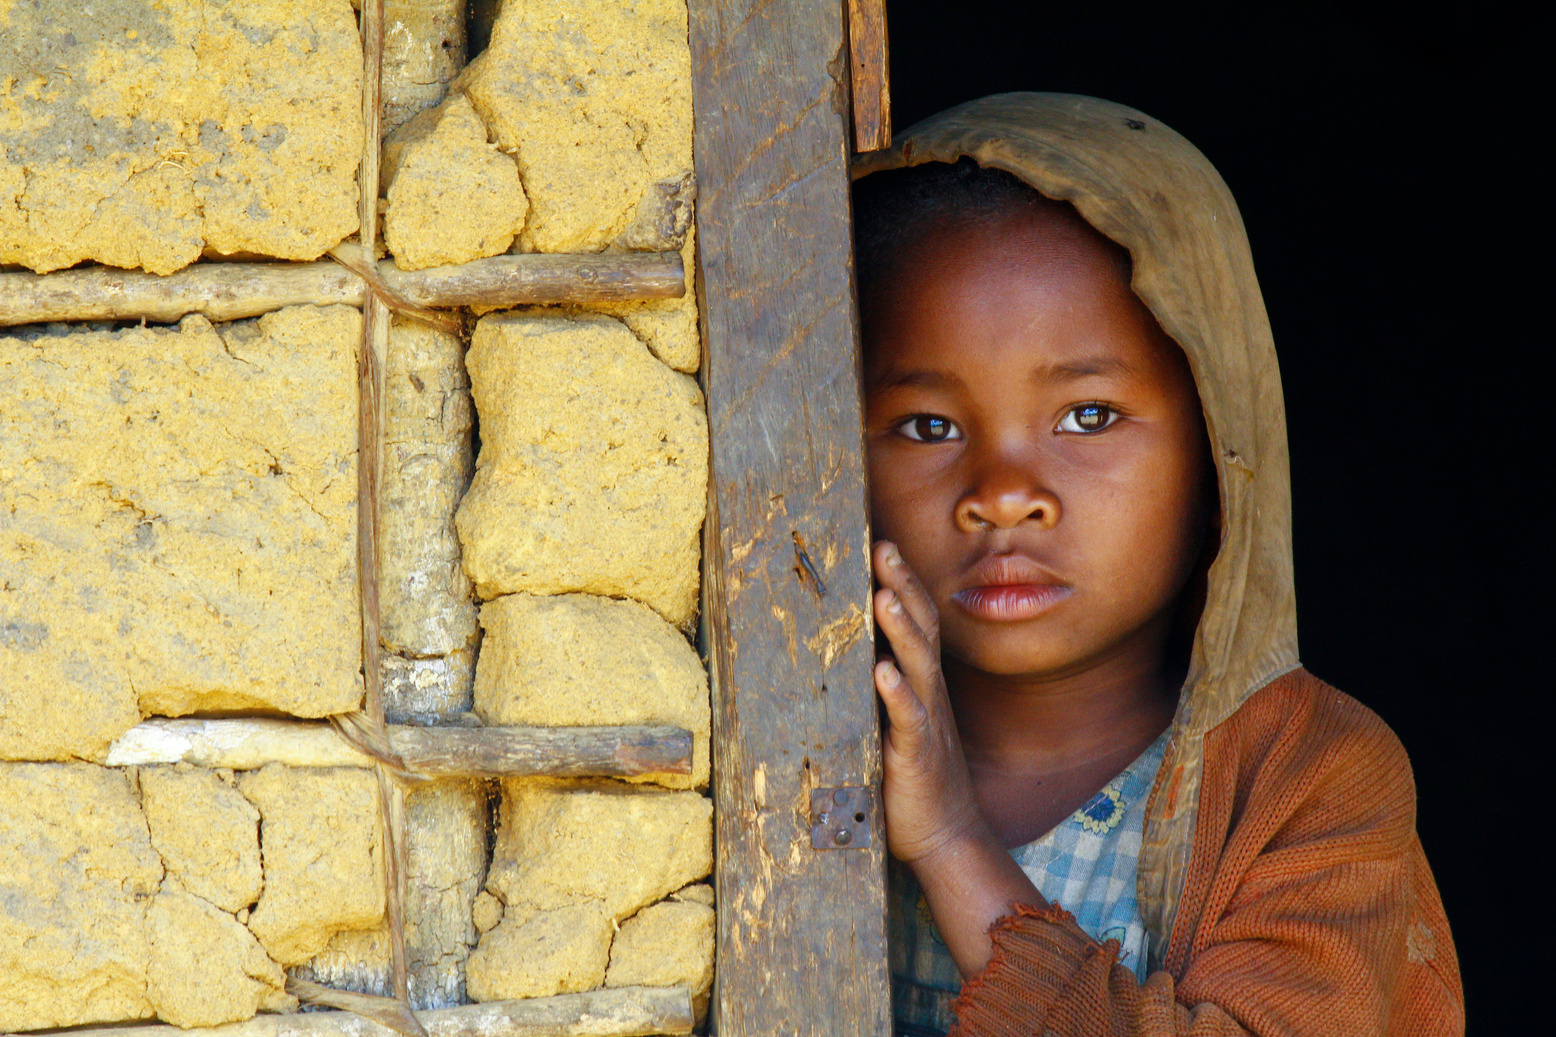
(928, 795)
(933, 822)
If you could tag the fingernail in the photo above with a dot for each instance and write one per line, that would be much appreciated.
(890, 673)
(893, 557)
(893, 603)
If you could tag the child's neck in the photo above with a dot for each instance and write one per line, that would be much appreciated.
(1038, 749)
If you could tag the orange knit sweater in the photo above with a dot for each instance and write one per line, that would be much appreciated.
(1308, 907)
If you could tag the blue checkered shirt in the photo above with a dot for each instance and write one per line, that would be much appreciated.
(1085, 865)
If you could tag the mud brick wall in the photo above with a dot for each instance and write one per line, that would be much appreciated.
(178, 509)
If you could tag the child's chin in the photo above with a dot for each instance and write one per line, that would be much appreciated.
(1017, 661)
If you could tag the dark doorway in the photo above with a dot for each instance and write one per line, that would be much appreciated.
(1385, 168)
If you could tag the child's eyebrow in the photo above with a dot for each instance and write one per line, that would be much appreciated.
(1081, 367)
(920, 379)
(1067, 371)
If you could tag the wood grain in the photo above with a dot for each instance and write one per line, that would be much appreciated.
(801, 933)
(538, 279)
(870, 74)
(232, 291)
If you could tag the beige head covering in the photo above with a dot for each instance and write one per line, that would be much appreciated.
(1151, 191)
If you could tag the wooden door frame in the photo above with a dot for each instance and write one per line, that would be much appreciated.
(787, 584)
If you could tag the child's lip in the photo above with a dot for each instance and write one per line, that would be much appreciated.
(1008, 602)
(1005, 587)
(1010, 569)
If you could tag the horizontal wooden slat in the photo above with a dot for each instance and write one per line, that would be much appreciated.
(437, 752)
(622, 1012)
(577, 752)
(231, 291)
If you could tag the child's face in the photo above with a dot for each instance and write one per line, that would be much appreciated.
(1036, 449)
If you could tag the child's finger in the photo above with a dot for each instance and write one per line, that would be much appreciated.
(893, 572)
(907, 714)
(917, 656)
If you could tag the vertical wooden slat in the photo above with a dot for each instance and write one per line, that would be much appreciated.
(370, 368)
(870, 71)
(801, 931)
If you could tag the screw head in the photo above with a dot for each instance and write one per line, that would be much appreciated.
(842, 837)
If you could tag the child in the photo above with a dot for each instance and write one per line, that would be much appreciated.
(1119, 804)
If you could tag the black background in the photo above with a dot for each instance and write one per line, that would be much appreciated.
(1385, 166)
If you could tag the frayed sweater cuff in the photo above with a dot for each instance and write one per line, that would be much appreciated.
(1037, 954)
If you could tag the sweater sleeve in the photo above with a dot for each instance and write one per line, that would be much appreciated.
(1047, 976)
(1317, 916)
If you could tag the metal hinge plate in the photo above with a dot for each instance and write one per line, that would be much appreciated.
(841, 818)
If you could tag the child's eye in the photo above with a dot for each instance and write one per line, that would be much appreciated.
(1087, 417)
(928, 428)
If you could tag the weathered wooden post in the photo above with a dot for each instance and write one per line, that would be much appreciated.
(802, 926)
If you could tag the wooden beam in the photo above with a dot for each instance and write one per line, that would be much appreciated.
(787, 550)
(619, 1012)
(870, 74)
(232, 291)
(577, 752)
(537, 279)
(437, 752)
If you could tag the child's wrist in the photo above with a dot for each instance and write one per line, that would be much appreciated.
(970, 837)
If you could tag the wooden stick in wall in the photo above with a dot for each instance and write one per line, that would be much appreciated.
(233, 291)
(496, 752)
(370, 388)
(618, 1012)
(435, 752)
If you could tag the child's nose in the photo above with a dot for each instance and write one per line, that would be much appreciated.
(1006, 497)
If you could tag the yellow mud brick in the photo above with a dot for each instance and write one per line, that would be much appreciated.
(665, 945)
(76, 872)
(567, 843)
(563, 950)
(594, 102)
(453, 198)
(177, 526)
(140, 133)
(206, 833)
(322, 842)
(205, 968)
(592, 474)
(577, 660)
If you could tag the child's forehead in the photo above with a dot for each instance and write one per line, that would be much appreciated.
(897, 211)
(1007, 285)
(1017, 255)
(1014, 250)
